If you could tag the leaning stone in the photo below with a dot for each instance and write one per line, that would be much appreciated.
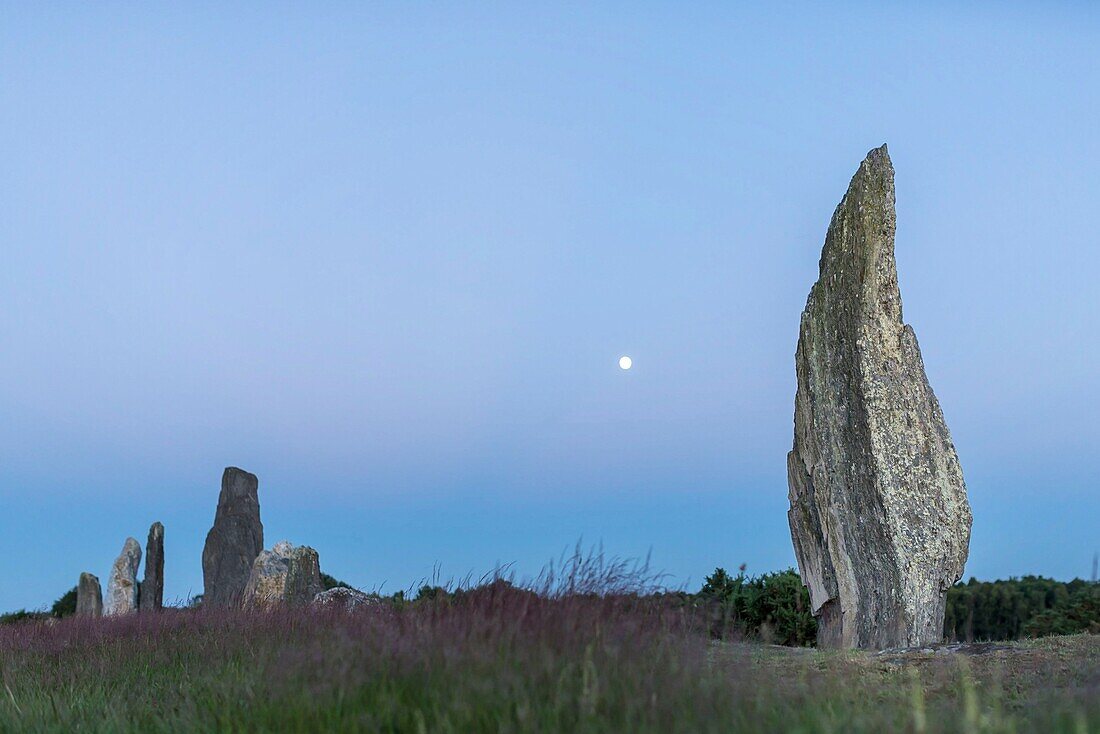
(286, 574)
(89, 596)
(343, 598)
(151, 595)
(879, 514)
(122, 588)
(234, 541)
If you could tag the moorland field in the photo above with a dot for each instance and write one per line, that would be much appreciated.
(589, 656)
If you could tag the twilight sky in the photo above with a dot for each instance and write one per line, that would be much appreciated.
(387, 258)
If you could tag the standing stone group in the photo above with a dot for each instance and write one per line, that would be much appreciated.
(124, 593)
(878, 508)
(237, 571)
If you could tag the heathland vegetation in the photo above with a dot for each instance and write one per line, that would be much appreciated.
(597, 648)
(774, 607)
(592, 647)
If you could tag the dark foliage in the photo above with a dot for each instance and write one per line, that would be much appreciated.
(20, 615)
(999, 610)
(429, 593)
(66, 605)
(1081, 613)
(332, 583)
(774, 607)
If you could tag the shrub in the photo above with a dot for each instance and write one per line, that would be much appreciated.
(774, 607)
(332, 583)
(431, 593)
(20, 615)
(66, 605)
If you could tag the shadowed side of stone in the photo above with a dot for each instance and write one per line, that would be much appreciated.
(122, 589)
(151, 595)
(879, 515)
(234, 541)
(89, 596)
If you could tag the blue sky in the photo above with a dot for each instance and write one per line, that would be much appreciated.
(386, 258)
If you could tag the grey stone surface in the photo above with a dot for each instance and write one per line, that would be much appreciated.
(879, 514)
(122, 587)
(89, 596)
(234, 541)
(151, 595)
(343, 598)
(287, 574)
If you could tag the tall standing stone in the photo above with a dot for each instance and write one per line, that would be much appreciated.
(879, 514)
(234, 541)
(89, 596)
(152, 587)
(122, 586)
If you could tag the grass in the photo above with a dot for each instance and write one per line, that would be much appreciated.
(500, 659)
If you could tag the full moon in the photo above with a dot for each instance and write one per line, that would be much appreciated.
(625, 362)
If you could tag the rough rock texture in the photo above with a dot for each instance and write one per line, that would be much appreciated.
(286, 574)
(122, 586)
(89, 596)
(235, 540)
(152, 587)
(342, 598)
(879, 515)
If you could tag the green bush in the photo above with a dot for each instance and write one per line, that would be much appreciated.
(774, 607)
(332, 583)
(66, 605)
(19, 615)
(431, 593)
(63, 607)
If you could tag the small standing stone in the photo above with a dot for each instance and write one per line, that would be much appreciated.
(344, 598)
(89, 596)
(122, 588)
(152, 587)
(234, 541)
(286, 574)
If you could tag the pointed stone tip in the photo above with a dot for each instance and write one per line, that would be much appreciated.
(878, 156)
(877, 167)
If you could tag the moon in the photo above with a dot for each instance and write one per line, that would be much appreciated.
(625, 362)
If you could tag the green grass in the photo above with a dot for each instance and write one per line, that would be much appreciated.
(503, 660)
